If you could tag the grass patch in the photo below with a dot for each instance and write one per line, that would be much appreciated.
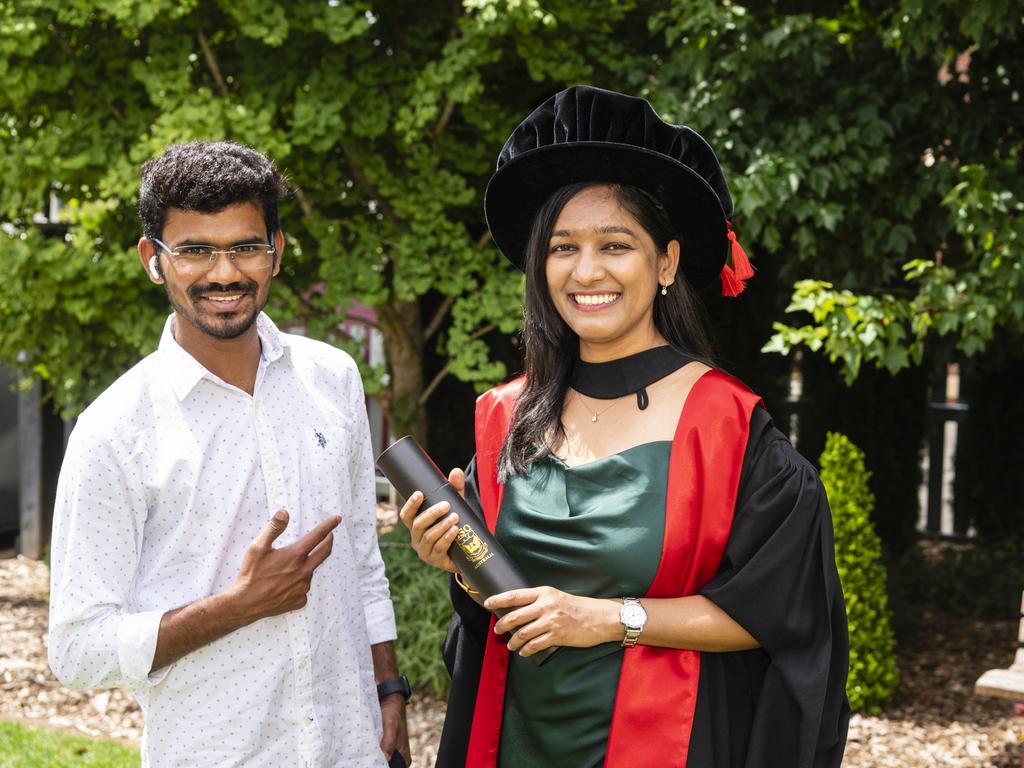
(23, 747)
(422, 610)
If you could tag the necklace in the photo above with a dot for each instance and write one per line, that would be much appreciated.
(594, 414)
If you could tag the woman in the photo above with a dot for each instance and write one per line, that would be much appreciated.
(683, 547)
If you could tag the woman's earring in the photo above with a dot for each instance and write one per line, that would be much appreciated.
(664, 290)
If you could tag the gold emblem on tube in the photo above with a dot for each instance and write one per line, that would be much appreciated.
(476, 550)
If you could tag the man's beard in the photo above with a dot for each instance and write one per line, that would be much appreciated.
(227, 326)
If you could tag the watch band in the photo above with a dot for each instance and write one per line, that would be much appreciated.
(632, 635)
(395, 685)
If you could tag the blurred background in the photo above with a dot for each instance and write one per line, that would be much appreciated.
(873, 150)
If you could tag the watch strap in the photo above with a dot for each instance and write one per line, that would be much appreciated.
(394, 685)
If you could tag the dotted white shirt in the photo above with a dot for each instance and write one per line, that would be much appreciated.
(168, 476)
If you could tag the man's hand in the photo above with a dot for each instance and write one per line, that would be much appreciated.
(392, 706)
(270, 581)
(396, 732)
(273, 581)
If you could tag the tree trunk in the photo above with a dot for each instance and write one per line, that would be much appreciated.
(401, 325)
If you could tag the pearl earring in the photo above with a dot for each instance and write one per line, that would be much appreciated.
(664, 290)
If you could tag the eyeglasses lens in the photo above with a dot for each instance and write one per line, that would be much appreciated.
(201, 258)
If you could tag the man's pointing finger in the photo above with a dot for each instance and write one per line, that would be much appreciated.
(308, 542)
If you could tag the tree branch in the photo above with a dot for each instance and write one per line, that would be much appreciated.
(438, 317)
(439, 376)
(362, 321)
(480, 332)
(300, 197)
(429, 389)
(449, 107)
(442, 122)
(211, 62)
(362, 181)
(61, 40)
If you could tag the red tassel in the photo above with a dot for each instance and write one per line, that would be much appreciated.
(740, 263)
(731, 285)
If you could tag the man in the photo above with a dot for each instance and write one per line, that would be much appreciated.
(198, 554)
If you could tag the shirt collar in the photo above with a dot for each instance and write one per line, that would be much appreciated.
(183, 371)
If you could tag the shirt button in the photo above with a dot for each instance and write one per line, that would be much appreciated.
(303, 663)
(309, 718)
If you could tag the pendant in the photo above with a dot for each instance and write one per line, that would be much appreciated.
(594, 417)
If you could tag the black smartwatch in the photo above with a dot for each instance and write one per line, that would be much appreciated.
(395, 685)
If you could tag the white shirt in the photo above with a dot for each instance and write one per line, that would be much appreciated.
(168, 476)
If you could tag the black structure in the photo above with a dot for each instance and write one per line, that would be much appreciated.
(10, 464)
(32, 441)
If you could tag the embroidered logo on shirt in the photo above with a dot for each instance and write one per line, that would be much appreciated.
(320, 438)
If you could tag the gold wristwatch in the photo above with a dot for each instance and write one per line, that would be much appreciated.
(633, 617)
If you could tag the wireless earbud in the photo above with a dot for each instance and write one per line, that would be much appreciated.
(153, 268)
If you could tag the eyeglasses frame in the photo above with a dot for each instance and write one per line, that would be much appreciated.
(230, 253)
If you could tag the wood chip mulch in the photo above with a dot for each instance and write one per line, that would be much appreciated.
(934, 719)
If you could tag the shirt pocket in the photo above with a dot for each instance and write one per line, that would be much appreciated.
(325, 473)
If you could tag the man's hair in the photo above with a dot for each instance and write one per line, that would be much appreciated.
(207, 177)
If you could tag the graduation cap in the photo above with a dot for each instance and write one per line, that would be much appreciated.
(587, 134)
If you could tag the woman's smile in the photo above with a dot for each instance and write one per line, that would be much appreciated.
(594, 302)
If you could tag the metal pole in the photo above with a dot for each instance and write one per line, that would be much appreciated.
(32, 541)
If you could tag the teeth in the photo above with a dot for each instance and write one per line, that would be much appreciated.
(594, 299)
(224, 298)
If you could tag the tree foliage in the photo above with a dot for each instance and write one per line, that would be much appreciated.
(387, 116)
(954, 253)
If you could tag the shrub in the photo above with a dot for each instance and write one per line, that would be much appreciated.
(422, 609)
(981, 579)
(873, 675)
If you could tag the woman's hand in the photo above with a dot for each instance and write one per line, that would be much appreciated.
(544, 616)
(433, 530)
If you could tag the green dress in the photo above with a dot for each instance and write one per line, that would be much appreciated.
(593, 530)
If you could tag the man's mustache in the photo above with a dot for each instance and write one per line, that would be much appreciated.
(198, 291)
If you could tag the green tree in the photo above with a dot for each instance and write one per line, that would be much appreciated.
(953, 250)
(387, 116)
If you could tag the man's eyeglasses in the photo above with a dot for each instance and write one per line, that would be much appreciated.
(195, 258)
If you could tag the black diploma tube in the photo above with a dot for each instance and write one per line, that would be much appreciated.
(481, 560)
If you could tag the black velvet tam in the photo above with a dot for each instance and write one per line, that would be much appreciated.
(586, 134)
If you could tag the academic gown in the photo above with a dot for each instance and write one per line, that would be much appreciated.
(782, 705)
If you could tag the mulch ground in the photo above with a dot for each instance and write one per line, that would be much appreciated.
(934, 719)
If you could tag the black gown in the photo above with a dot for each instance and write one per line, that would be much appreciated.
(780, 706)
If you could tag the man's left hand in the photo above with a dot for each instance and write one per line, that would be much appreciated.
(396, 733)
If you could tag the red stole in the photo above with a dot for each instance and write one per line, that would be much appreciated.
(657, 693)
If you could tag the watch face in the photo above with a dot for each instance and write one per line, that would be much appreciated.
(633, 615)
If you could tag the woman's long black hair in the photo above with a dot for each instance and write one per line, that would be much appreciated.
(551, 347)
